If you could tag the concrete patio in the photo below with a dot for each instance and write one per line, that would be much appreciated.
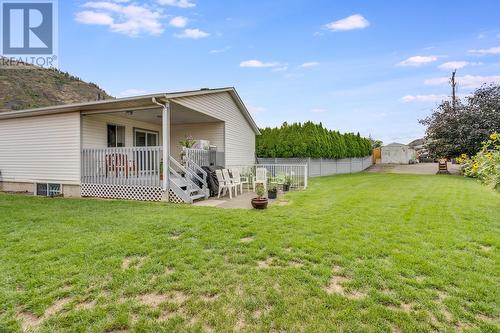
(242, 201)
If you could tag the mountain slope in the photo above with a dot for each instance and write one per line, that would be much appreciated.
(32, 87)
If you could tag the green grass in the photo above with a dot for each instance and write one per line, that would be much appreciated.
(364, 252)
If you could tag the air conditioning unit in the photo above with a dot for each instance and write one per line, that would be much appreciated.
(201, 144)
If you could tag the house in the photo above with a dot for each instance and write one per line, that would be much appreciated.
(421, 150)
(397, 153)
(125, 148)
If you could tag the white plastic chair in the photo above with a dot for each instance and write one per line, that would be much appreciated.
(229, 182)
(223, 185)
(237, 180)
(260, 178)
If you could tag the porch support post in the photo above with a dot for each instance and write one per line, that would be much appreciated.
(166, 146)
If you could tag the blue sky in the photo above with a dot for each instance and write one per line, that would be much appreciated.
(370, 66)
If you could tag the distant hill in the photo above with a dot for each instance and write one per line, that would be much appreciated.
(33, 87)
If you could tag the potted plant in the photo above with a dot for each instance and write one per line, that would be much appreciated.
(287, 183)
(272, 193)
(260, 202)
(186, 143)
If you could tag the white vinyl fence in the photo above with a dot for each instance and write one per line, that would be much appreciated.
(324, 167)
(294, 174)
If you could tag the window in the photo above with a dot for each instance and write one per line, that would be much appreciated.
(144, 138)
(48, 189)
(116, 136)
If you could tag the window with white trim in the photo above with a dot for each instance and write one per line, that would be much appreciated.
(145, 138)
(116, 136)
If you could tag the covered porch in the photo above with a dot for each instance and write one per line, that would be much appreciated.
(134, 153)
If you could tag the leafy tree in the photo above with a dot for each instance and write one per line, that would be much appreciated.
(375, 143)
(310, 140)
(454, 131)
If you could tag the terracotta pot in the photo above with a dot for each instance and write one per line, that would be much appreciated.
(259, 203)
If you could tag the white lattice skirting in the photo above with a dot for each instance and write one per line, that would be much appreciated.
(173, 198)
(143, 193)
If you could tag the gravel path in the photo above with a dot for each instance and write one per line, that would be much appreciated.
(421, 168)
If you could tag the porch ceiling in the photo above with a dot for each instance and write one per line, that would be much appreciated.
(180, 115)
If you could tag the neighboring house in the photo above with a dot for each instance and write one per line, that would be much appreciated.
(420, 148)
(397, 153)
(124, 148)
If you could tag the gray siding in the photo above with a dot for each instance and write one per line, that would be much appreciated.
(43, 148)
(95, 133)
(213, 132)
(239, 135)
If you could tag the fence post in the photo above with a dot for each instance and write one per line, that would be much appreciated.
(306, 175)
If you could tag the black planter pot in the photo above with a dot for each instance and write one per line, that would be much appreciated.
(259, 203)
(286, 187)
(272, 194)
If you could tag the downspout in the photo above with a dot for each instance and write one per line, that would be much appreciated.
(165, 143)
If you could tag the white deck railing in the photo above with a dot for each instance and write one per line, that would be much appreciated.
(136, 166)
(294, 174)
(198, 156)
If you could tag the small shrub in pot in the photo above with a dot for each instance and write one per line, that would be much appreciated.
(260, 202)
(272, 193)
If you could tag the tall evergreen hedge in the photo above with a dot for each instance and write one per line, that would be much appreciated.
(310, 140)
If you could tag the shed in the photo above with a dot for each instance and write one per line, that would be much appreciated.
(397, 153)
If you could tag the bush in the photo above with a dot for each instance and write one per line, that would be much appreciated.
(310, 140)
(485, 165)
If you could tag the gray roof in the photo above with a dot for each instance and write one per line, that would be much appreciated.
(130, 102)
(395, 144)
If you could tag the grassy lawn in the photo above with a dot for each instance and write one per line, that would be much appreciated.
(364, 252)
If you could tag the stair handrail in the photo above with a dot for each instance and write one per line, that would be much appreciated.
(173, 161)
(191, 164)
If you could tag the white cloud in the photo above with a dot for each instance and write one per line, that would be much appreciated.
(423, 98)
(88, 17)
(466, 81)
(416, 61)
(451, 65)
(177, 3)
(491, 50)
(258, 64)
(103, 5)
(132, 92)
(193, 34)
(131, 20)
(349, 23)
(178, 22)
(318, 110)
(309, 64)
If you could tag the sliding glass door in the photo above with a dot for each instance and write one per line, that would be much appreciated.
(148, 162)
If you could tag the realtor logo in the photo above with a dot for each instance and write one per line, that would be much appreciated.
(29, 31)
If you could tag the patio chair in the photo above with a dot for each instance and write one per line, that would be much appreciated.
(237, 180)
(230, 181)
(223, 185)
(260, 178)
